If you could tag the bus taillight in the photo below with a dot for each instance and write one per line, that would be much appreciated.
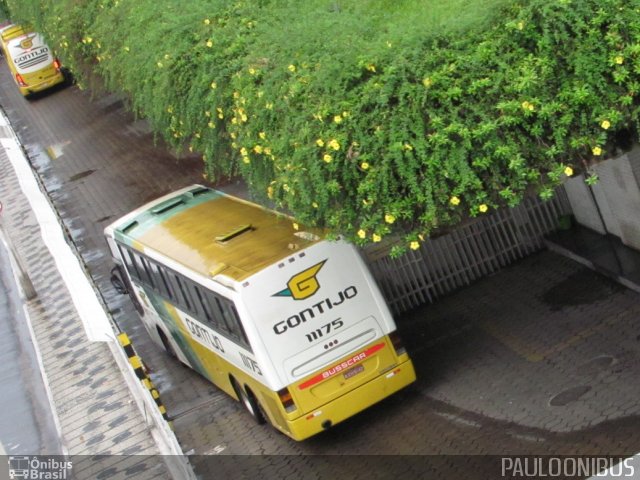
(20, 80)
(57, 64)
(396, 341)
(286, 399)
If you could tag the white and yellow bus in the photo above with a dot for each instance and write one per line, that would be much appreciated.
(289, 323)
(30, 60)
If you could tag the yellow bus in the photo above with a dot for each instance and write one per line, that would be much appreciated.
(280, 318)
(32, 65)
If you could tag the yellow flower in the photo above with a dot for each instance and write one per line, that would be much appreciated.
(364, 166)
(285, 187)
(167, 56)
(291, 68)
(520, 25)
(414, 245)
(252, 71)
(233, 135)
(596, 151)
(126, 49)
(320, 142)
(605, 124)
(337, 119)
(295, 226)
(243, 152)
(619, 60)
(376, 237)
(209, 43)
(159, 64)
(270, 191)
(211, 125)
(568, 171)
(334, 144)
(426, 81)
(362, 233)
(236, 94)
(327, 158)
(262, 135)
(527, 106)
(407, 146)
(389, 218)
(207, 21)
(483, 208)
(454, 200)
(246, 159)
(214, 85)
(315, 205)
(170, 109)
(267, 151)
(371, 67)
(243, 117)
(268, 106)
(258, 149)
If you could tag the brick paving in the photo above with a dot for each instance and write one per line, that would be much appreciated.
(539, 359)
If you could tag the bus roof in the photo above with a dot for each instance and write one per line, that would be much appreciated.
(212, 233)
(11, 31)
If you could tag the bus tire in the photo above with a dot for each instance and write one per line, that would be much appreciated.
(166, 344)
(248, 400)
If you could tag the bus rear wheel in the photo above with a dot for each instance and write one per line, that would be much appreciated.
(248, 400)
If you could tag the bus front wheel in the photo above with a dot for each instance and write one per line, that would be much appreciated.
(248, 400)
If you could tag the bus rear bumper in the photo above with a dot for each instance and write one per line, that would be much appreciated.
(48, 83)
(353, 402)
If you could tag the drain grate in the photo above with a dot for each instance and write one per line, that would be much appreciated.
(569, 395)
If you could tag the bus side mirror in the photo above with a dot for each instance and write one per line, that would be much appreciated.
(117, 281)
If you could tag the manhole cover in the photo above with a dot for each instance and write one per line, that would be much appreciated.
(569, 395)
(596, 365)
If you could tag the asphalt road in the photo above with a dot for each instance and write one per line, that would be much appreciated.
(539, 359)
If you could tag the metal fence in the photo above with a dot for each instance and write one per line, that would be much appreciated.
(471, 251)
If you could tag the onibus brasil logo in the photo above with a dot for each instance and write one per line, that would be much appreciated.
(39, 467)
(303, 284)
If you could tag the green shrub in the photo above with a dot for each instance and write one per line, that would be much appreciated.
(371, 117)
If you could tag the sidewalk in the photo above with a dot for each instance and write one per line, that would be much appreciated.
(97, 412)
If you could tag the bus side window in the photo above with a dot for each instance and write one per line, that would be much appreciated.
(232, 320)
(182, 294)
(159, 280)
(204, 304)
(143, 269)
(128, 261)
(216, 314)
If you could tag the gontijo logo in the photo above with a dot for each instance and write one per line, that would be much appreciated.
(27, 43)
(302, 285)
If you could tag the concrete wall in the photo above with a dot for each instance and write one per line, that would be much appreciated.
(613, 204)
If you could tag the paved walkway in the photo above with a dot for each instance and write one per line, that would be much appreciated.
(95, 409)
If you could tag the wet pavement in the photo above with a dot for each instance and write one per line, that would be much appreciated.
(541, 358)
(605, 254)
